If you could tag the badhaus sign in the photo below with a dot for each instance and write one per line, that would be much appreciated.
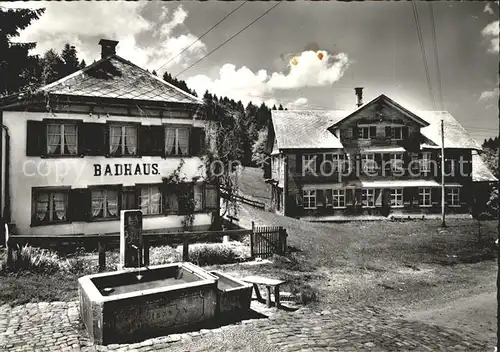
(141, 169)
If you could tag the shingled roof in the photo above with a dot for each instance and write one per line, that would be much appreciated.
(302, 129)
(115, 77)
(481, 171)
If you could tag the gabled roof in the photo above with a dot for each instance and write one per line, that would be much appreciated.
(384, 99)
(117, 78)
(480, 171)
(302, 129)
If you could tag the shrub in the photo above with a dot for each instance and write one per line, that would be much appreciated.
(163, 255)
(216, 253)
(34, 259)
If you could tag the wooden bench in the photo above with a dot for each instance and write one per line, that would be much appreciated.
(269, 283)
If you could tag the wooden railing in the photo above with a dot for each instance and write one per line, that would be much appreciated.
(103, 242)
(227, 194)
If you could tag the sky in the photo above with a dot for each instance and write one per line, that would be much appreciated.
(304, 55)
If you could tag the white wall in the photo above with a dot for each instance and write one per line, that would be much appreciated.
(27, 172)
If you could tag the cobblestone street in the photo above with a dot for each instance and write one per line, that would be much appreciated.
(56, 327)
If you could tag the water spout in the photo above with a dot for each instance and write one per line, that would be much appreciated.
(139, 276)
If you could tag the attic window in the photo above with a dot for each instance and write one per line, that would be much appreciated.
(367, 132)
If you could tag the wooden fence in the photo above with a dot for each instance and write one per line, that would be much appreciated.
(267, 240)
(226, 194)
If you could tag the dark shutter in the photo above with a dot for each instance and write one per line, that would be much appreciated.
(79, 204)
(405, 132)
(197, 142)
(388, 132)
(373, 132)
(35, 138)
(93, 139)
(298, 160)
(319, 161)
(186, 198)
(357, 196)
(378, 197)
(435, 195)
(349, 194)
(152, 140)
(408, 195)
(211, 201)
(129, 198)
(320, 198)
(355, 132)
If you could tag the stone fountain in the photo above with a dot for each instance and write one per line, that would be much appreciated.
(138, 302)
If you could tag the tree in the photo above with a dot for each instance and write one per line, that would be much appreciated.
(82, 65)
(167, 77)
(280, 107)
(154, 73)
(51, 67)
(259, 151)
(18, 69)
(69, 56)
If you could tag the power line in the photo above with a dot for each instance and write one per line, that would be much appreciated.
(231, 38)
(422, 50)
(199, 38)
(436, 55)
(217, 48)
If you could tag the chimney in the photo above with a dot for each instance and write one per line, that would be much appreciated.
(359, 95)
(108, 47)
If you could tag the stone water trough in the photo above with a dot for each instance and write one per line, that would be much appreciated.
(133, 304)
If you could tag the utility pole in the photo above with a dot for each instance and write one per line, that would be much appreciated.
(443, 222)
(498, 251)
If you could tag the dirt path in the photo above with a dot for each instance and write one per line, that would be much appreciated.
(475, 314)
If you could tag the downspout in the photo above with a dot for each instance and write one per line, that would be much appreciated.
(6, 208)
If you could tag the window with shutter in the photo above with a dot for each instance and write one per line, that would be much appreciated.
(171, 201)
(123, 139)
(49, 206)
(104, 203)
(150, 199)
(177, 141)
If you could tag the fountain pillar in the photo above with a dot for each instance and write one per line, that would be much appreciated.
(131, 241)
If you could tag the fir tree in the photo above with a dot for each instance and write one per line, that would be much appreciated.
(18, 69)
(51, 67)
(69, 56)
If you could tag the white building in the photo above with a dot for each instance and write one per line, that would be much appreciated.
(98, 141)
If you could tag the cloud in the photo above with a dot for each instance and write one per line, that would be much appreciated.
(298, 103)
(490, 94)
(308, 69)
(83, 23)
(488, 9)
(311, 69)
(492, 32)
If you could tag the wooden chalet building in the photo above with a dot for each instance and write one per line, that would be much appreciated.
(103, 139)
(380, 160)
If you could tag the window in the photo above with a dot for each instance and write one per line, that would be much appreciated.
(425, 197)
(368, 197)
(177, 141)
(50, 206)
(61, 139)
(425, 162)
(309, 199)
(366, 132)
(338, 198)
(453, 197)
(122, 140)
(104, 203)
(396, 197)
(396, 161)
(396, 133)
(368, 162)
(333, 162)
(150, 200)
(198, 197)
(309, 162)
